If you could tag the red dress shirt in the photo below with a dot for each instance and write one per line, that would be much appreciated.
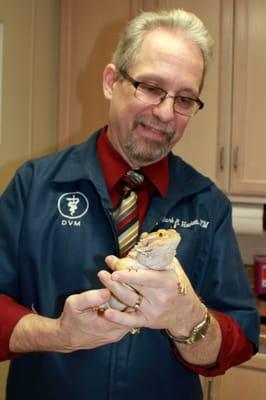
(235, 347)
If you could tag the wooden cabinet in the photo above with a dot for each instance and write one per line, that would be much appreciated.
(246, 382)
(227, 140)
(248, 143)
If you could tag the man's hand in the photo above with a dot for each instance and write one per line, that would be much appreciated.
(163, 306)
(80, 326)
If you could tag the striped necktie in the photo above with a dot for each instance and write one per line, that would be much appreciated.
(126, 214)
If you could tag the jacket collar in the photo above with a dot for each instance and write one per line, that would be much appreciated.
(184, 181)
(79, 162)
(184, 178)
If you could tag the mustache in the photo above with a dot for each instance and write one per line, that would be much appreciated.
(153, 123)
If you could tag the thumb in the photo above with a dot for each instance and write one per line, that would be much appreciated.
(111, 261)
(89, 299)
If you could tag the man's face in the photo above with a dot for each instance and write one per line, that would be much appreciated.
(145, 133)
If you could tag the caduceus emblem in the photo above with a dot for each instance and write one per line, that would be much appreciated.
(72, 203)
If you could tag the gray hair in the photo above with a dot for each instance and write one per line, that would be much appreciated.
(174, 21)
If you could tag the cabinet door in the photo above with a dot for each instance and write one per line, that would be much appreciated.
(245, 382)
(248, 168)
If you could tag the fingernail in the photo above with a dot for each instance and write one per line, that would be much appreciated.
(103, 274)
(109, 258)
(109, 314)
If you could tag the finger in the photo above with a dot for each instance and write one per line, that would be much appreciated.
(121, 291)
(88, 299)
(147, 278)
(111, 261)
(130, 320)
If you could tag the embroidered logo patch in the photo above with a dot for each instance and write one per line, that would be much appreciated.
(174, 222)
(73, 205)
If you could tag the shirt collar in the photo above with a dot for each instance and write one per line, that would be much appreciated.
(111, 161)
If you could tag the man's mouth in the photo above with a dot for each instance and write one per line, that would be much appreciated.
(154, 129)
(155, 132)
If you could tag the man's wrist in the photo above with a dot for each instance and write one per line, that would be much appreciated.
(198, 332)
(35, 333)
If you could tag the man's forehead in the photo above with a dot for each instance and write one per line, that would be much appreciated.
(165, 55)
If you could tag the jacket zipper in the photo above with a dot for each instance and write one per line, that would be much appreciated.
(111, 220)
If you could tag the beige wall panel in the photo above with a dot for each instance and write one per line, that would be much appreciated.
(29, 82)
(16, 84)
(90, 31)
(3, 375)
(45, 80)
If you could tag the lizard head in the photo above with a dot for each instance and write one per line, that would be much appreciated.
(157, 249)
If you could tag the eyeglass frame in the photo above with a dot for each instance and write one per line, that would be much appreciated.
(165, 94)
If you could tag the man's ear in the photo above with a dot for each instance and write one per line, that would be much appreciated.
(109, 78)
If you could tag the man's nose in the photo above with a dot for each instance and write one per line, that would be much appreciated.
(165, 109)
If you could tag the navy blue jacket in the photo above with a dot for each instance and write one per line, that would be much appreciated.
(56, 228)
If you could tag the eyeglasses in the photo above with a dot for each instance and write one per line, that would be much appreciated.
(150, 94)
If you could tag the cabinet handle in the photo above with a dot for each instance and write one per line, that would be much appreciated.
(222, 158)
(235, 158)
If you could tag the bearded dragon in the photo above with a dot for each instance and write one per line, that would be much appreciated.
(156, 251)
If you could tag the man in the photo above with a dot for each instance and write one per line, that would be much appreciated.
(58, 226)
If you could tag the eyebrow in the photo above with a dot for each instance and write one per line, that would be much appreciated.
(159, 82)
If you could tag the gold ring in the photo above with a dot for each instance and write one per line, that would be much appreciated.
(134, 331)
(182, 288)
(138, 302)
